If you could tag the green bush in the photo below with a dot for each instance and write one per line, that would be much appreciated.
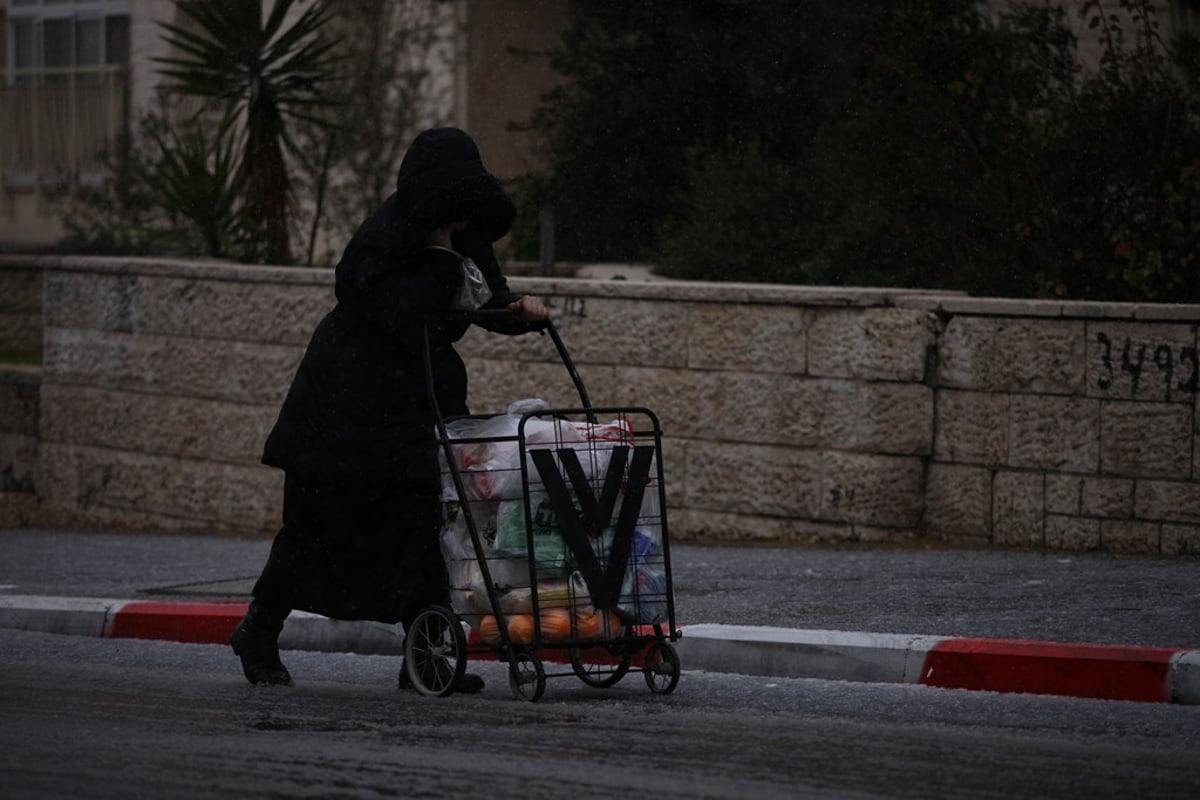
(743, 207)
(922, 143)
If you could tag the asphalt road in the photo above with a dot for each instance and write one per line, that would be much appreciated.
(1067, 597)
(103, 718)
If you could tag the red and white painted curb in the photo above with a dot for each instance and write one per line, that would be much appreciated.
(1110, 672)
(190, 622)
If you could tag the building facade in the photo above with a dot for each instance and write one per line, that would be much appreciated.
(76, 74)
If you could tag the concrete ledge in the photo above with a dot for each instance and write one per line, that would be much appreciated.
(787, 653)
(74, 616)
(1184, 678)
(1072, 309)
(305, 631)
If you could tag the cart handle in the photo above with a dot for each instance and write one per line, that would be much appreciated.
(507, 316)
(480, 316)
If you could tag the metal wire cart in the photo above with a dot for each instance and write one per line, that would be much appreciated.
(556, 546)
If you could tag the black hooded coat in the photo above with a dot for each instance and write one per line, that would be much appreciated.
(355, 435)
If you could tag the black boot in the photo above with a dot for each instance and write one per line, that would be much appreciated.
(467, 684)
(256, 641)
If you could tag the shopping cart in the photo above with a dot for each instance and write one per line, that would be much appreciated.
(556, 545)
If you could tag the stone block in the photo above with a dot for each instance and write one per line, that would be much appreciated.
(1064, 494)
(1072, 533)
(971, 427)
(188, 427)
(1146, 439)
(20, 310)
(624, 386)
(20, 389)
(674, 465)
(809, 532)
(234, 371)
(1180, 540)
(690, 404)
(276, 313)
(752, 479)
(1018, 509)
(958, 501)
(625, 332)
(19, 456)
(746, 407)
(889, 418)
(492, 386)
(147, 491)
(872, 489)
(18, 509)
(697, 525)
(1151, 362)
(1129, 537)
(1053, 433)
(765, 339)
(1107, 497)
(871, 343)
(1041, 356)
(20, 290)
(706, 526)
(481, 344)
(869, 534)
(20, 332)
(1169, 501)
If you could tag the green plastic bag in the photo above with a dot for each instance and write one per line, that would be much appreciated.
(549, 548)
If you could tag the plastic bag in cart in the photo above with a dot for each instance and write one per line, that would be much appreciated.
(549, 547)
(491, 470)
(643, 597)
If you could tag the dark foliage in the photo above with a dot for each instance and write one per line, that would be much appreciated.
(920, 143)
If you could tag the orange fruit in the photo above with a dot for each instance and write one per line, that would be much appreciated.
(611, 625)
(600, 625)
(489, 631)
(520, 628)
(588, 625)
(556, 623)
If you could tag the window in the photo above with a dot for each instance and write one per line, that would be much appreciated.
(63, 98)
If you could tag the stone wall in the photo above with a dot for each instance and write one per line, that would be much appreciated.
(1074, 429)
(790, 414)
(20, 310)
(20, 346)
(19, 386)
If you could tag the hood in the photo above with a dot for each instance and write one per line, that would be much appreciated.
(442, 179)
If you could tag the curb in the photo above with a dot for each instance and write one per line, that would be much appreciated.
(1107, 672)
(1104, 672)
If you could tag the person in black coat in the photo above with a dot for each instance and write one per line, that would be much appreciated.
(355, 436)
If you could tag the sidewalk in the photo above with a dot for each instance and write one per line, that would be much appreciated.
(1068, 624)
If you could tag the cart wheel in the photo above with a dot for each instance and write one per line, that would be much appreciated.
(435, 651)
(661, 668)
(526, 677)
(596, 674)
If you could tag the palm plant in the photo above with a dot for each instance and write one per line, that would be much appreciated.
(192, 178)
(259, 77)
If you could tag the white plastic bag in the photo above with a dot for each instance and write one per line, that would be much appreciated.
(474, 292)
